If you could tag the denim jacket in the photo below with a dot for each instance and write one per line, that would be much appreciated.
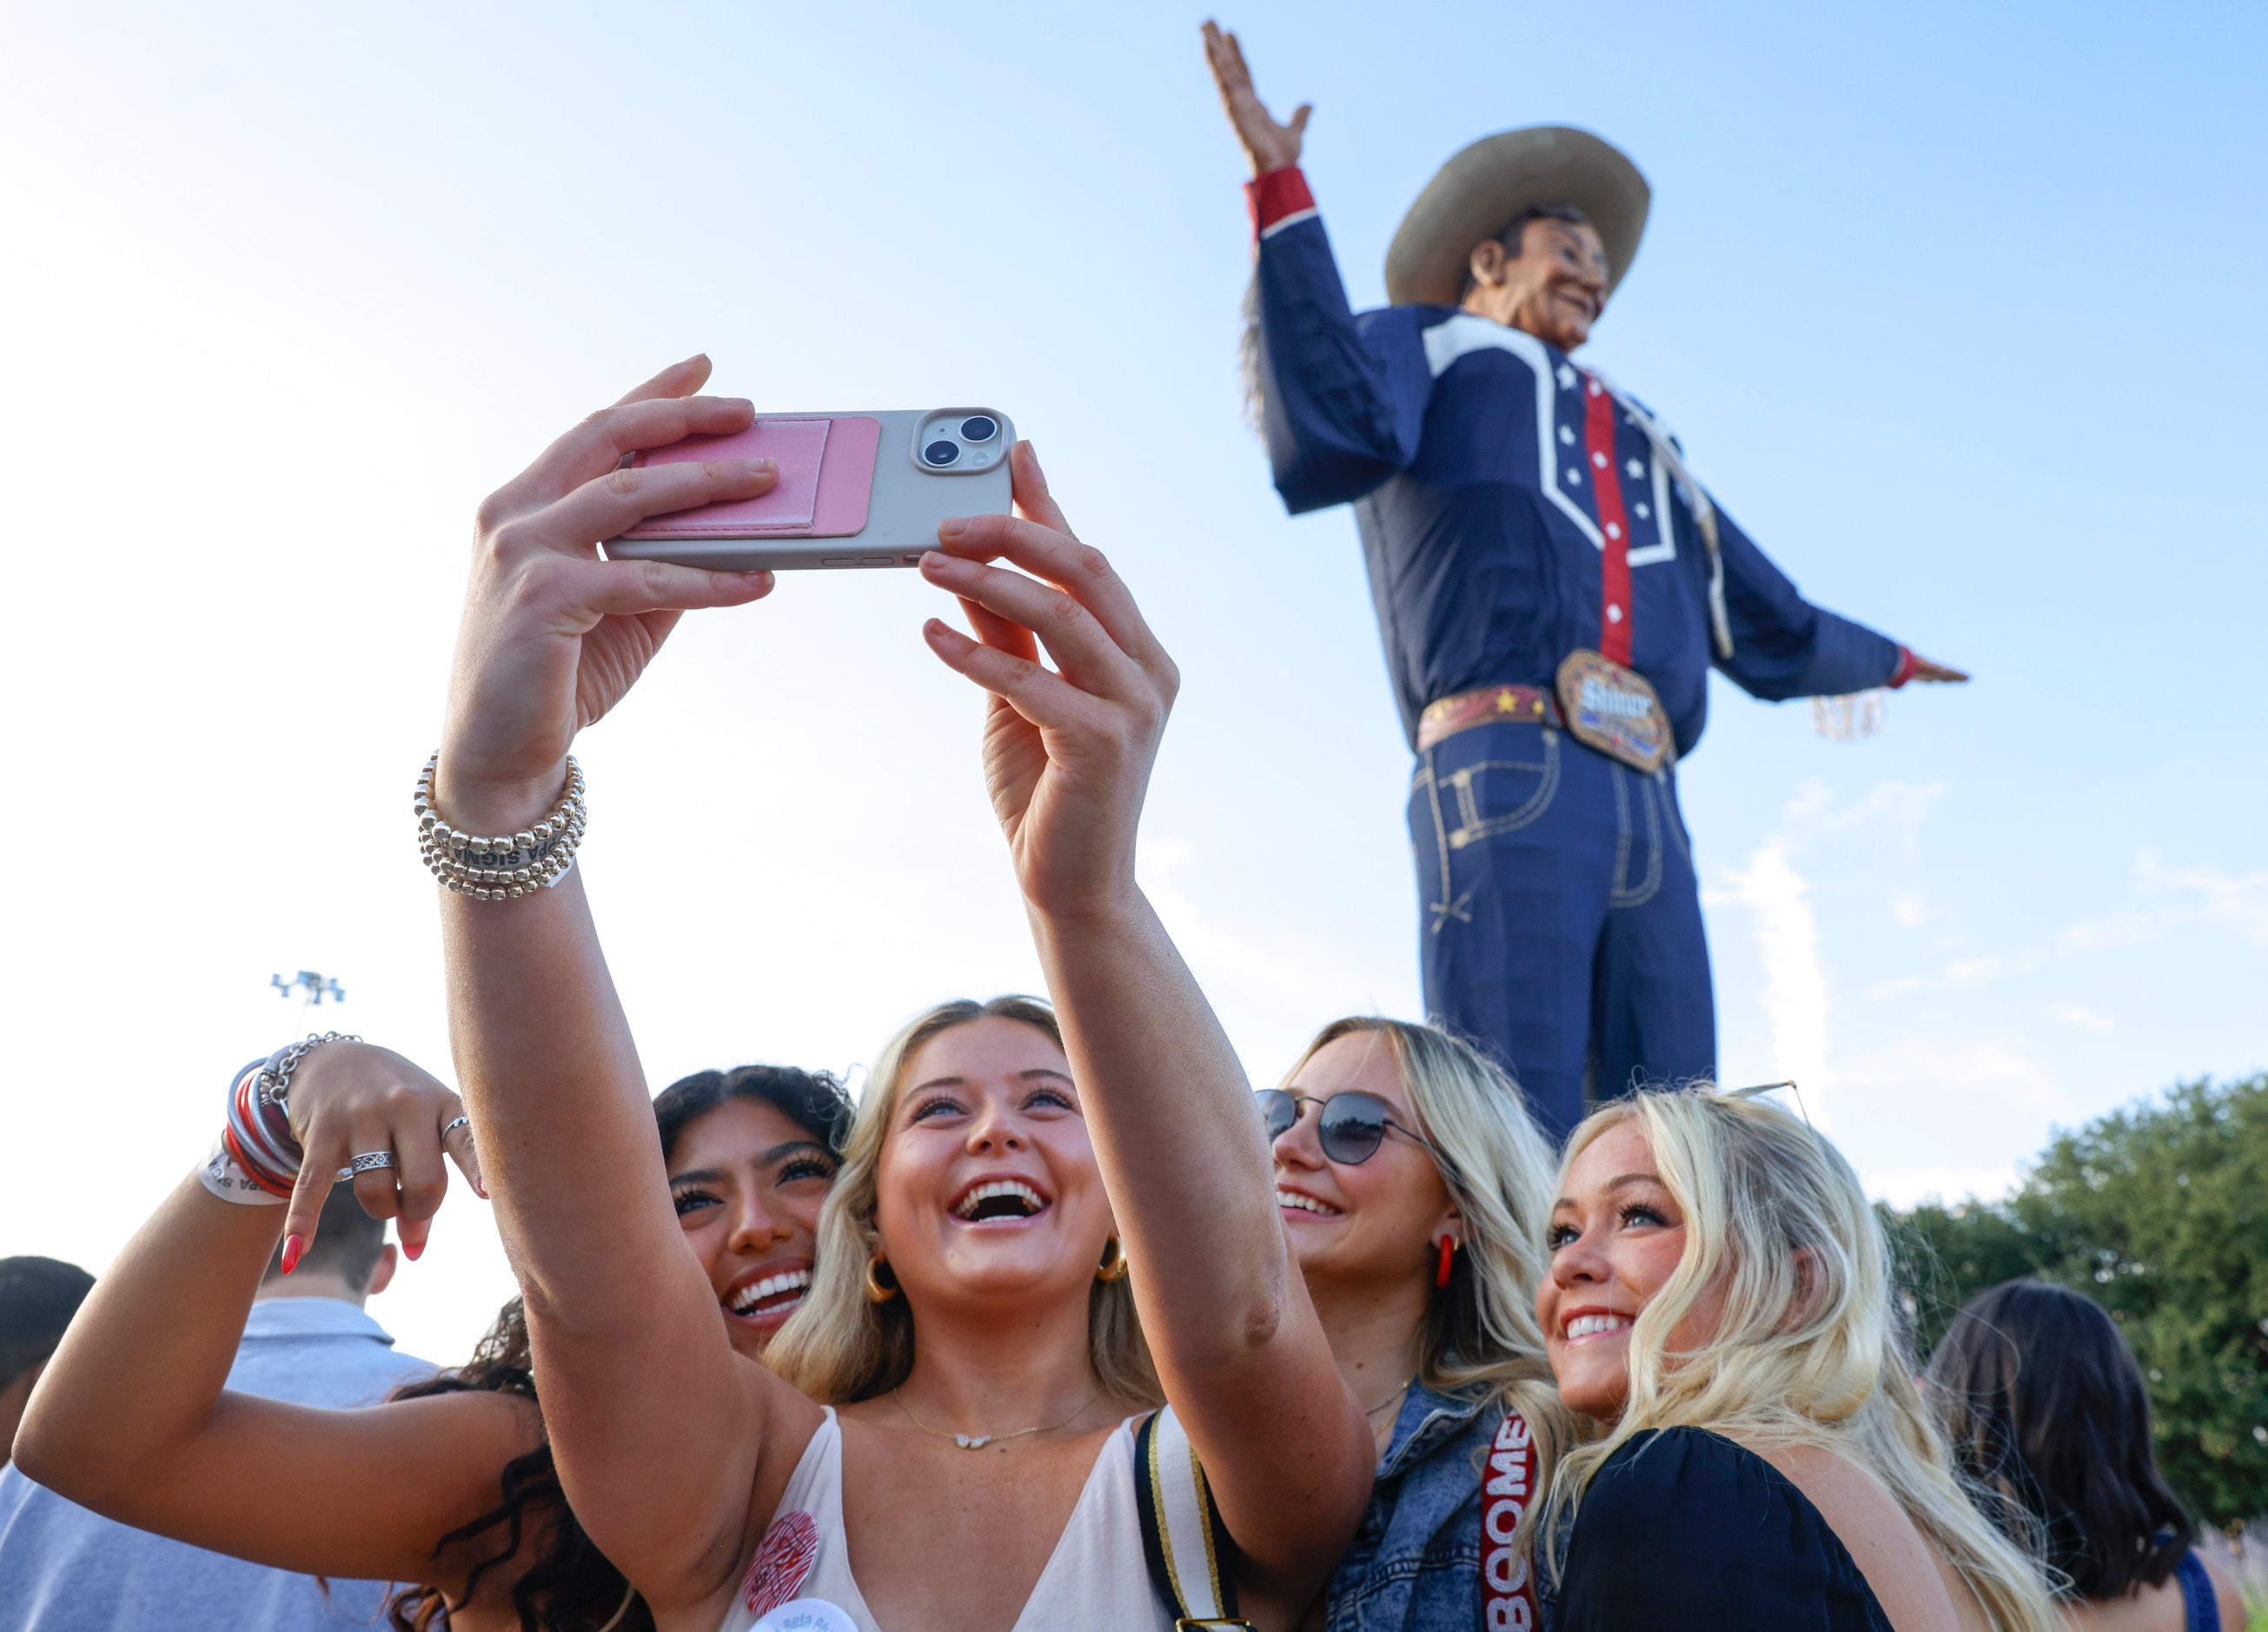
(1415, 1565)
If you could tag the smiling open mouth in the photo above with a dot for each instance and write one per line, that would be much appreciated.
(775, 1294)
(1292, 1201)
(1596, 1325)
(998, 1200)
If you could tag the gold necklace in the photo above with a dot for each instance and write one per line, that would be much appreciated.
(1391, 1398)
(978, 1441)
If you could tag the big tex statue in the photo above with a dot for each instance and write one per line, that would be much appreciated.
(1552, 584)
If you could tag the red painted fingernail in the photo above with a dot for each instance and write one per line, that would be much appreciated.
(413, 1250)
(293, 1247)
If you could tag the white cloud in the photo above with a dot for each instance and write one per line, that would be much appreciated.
(2086, 1019)
(2095, 935)
(1908, 910)
(2240, 898)
(1795, 998)
(1221, 955)
(1901, 806)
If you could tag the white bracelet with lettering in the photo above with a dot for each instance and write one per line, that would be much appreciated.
(224, 1179)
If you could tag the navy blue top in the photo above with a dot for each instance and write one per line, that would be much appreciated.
(1684, 1528)
(2200, 1606)
(1460, 442)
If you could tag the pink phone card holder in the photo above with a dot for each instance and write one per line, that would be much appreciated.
(826, 477)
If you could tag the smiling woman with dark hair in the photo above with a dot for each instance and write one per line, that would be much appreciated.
(448, 1485)
(2046, 1408)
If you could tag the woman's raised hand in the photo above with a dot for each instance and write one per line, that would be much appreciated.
(1267, 144)
(349, 1100)
(1067, 751)
(553, 636)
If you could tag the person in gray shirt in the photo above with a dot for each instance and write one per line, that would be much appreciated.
(37, 1297)
(308, 1339)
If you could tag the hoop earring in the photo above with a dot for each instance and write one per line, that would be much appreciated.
(1448, 1245)
(1114, 1265)
(876, 1292)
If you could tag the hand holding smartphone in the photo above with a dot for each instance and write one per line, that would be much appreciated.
(854, 490)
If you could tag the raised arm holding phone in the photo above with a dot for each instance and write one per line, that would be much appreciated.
(1006, 1183)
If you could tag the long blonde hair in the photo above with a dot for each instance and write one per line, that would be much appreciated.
(839, 1346)
(1481, 1339)
(1807, 1350)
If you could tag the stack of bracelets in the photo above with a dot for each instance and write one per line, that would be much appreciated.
(509, 866)
(262, 1153)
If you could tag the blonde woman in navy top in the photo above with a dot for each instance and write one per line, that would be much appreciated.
(1719, 1305)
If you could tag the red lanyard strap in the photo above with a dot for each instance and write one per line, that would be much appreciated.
(1613, 526)
(1507, 1580)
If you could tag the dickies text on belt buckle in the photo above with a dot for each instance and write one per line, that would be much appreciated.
(1614, 709)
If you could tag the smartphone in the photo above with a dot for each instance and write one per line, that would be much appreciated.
(854, 490)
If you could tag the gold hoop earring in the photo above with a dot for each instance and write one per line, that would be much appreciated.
(1114, 1266)
(876, 1292)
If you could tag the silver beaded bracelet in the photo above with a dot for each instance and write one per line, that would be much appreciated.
(509, 866)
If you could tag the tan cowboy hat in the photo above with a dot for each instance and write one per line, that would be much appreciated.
(1477, 193)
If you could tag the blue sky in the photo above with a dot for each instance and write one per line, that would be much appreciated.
(1956, 308)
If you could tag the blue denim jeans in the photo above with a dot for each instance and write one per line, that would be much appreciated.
(1560, 920)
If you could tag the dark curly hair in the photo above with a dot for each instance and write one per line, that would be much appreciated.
(570, 1585)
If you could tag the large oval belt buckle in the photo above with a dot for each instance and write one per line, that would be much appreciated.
(1614, 709)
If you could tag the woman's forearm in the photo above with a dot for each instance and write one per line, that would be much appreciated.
(131, 1393)
(566, 1132)
(1174, 1129)
(651, 1422)
(133, 1420)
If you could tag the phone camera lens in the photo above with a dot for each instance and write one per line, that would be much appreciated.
(979, 428)
(940, 452)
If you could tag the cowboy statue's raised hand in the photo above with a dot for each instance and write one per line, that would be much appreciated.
(1067, 751)
(1267, 144)
(351, 1098)
(553, 635)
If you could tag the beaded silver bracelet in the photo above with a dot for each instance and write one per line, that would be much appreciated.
(508, 865)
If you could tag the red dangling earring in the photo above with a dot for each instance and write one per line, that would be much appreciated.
(1448, 1245)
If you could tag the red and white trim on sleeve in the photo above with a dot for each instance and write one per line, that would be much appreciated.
(1278, 199)
(1613, 526)
(1904, 672)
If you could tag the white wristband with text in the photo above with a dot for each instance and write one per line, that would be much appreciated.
(224, 1179)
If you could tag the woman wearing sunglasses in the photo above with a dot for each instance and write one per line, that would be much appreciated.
(1414, 1189)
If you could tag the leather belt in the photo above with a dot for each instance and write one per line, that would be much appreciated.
(1446, 717)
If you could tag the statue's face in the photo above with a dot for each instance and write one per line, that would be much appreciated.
(1554, 288)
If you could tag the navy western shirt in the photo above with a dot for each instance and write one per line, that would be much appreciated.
(1476, 477)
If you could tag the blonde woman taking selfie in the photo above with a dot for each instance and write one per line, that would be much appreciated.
(972, 1465)
(1720, 1305)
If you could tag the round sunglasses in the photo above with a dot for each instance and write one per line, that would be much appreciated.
(1350, 1126)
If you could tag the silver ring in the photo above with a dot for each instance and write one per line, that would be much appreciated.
(368, 1162)
(454, 1124)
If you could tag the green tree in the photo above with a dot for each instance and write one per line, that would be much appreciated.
(2159, 1212)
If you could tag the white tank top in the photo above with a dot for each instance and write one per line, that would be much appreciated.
(1095, 1580)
